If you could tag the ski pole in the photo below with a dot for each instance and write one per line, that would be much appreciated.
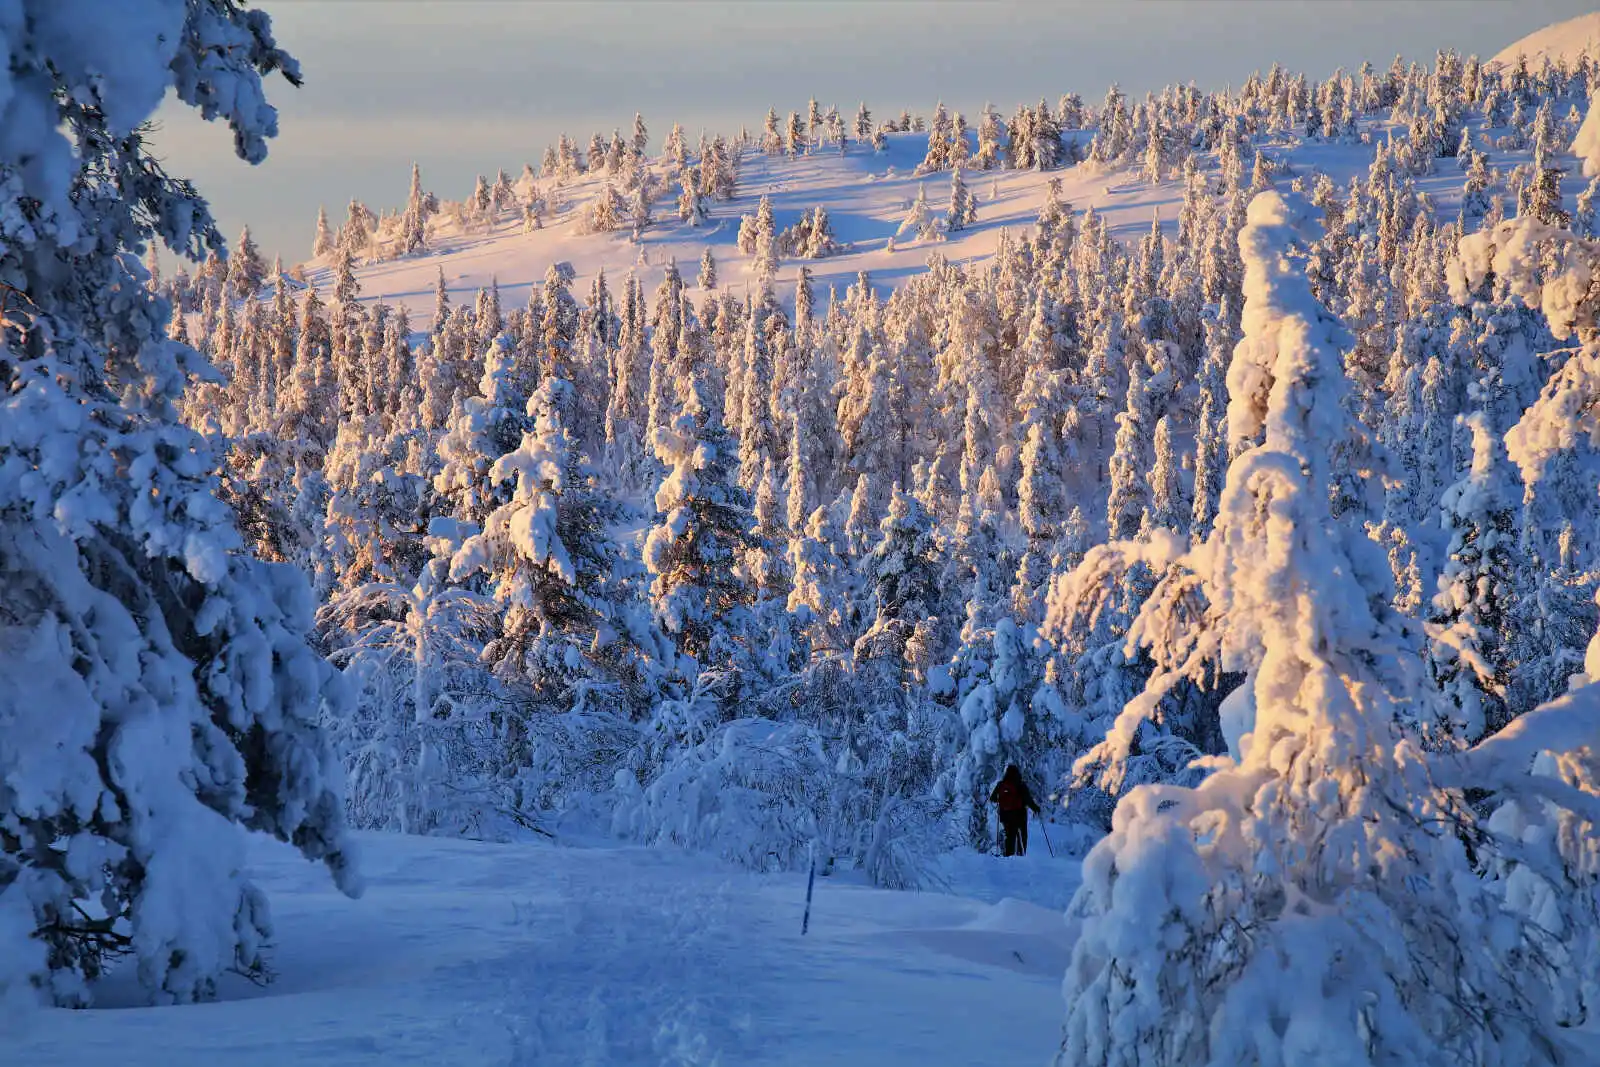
(811, 880)
(1046, 833)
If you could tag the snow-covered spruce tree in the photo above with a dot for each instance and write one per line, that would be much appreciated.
(1210, 431)
(1090, 609)
(820, 239)
(938, 154)
(704, 528)
(414, 223)
(919, 220)
(502, 194)
(666, 322)
(640, 210)
(991, 133)
(558, 328)
(1551, 624)
(608, 211)
(624, 457)
(1047, 147)
(901, 575)
(377, 503)
(963, 210)
(156, 687)
(246, 269)
(482, 429)
(1167, 506)
(415, 745)
(821, 583)
(719, 171)
(764, 262)
(960, 147)
(675, 148)
(309, 402)
(1280, 886)
(863, 125)
(691, 207)
(355, 236)
(867, 429)
(795, 140)
(322, 244)
(758, 441)
(1041, 511)
(1540, 769)
(1468, 625)
(1129, 497)
(566, 641)
(1554, 442)
(707, 278)
(767, 564)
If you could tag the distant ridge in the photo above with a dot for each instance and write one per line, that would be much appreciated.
(1561, 40)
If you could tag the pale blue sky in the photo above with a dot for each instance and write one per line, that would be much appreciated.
(466, 86)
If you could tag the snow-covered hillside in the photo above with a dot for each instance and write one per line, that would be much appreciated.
(471, 954)
(866, 194)
(1560, 41)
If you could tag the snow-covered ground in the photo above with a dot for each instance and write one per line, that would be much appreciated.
(463, 953)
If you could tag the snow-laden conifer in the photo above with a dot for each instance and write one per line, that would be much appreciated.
(919, 221)
(963, 211)
(704, 527)
(901, 576)
(1472, 608)
(157, 689)
(1322, 800)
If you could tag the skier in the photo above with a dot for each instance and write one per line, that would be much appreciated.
(1012, 795)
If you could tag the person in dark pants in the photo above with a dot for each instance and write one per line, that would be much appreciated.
(1014, 800)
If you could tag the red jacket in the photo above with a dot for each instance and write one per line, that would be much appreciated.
(1012, 795)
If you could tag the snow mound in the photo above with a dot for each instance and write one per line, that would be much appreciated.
(1020, 916)
(1561, 41)
(1001, 949)
(1013, 935)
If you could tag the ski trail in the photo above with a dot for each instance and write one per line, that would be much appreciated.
(615, 975)
(476, 955)
(653, 958)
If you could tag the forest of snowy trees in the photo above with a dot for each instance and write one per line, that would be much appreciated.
(1269, 552)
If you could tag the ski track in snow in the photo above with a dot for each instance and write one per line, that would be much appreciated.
(464, 953)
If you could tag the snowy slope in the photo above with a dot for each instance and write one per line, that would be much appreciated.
(464, 953)
(866, 195)
(1560, 41)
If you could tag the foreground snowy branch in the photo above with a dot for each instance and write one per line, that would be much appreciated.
(157, 687)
